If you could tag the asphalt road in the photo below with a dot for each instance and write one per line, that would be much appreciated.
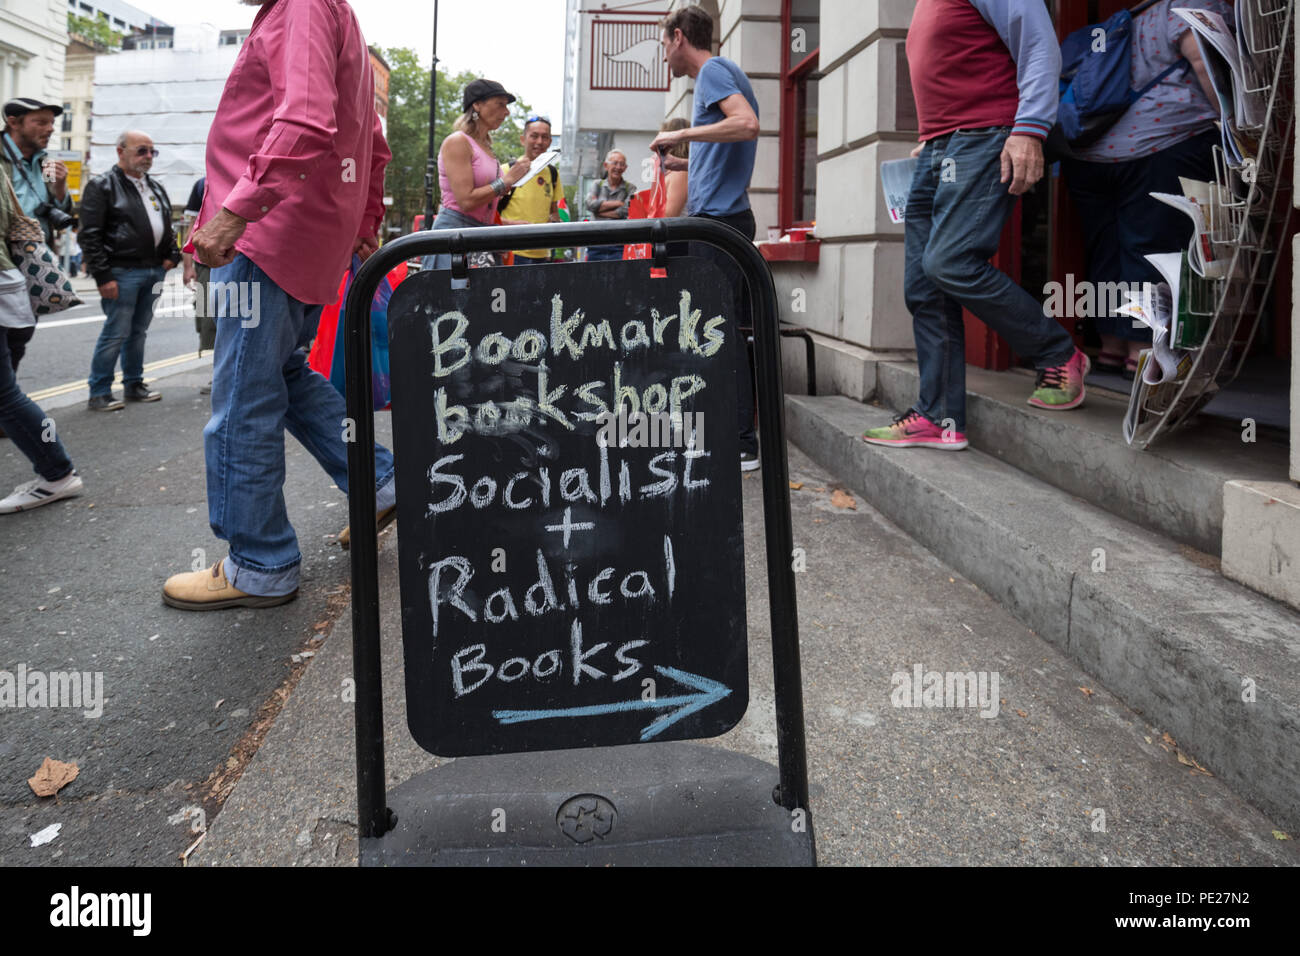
(80, 582)
(54, 370)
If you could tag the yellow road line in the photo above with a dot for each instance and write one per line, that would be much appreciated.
(56, 390)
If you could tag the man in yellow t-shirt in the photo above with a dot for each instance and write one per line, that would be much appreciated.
(535, 199)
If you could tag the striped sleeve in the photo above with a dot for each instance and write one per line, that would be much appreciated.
(1026, 28)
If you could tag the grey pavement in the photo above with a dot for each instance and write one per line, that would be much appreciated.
(1064, 774)
(81, 582)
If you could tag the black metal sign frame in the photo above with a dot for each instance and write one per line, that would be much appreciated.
(374, 817)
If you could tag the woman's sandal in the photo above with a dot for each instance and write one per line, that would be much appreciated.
(1109, 361)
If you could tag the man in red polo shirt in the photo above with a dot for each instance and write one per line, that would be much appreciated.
(295, 176)
(984, 76)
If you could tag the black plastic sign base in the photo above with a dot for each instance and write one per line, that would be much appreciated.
(570, 533)
(659, 805)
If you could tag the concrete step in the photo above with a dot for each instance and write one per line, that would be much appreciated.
(1211, 662)
(1175, 487)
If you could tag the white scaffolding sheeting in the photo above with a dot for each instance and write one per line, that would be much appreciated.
(170, 94)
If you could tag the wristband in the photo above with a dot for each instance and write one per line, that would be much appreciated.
(498, 185)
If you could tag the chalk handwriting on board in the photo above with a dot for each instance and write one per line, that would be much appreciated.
(569, 534)
(707, 692)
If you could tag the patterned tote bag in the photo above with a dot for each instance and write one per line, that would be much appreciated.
(48, 287)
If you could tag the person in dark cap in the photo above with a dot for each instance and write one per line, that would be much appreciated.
(41, 184)
(469, 176)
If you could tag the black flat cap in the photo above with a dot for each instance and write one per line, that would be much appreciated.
(483, 90)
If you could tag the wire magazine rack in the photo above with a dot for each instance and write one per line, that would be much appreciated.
(1248, 219)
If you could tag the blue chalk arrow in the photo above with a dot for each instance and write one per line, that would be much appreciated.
(710, 692)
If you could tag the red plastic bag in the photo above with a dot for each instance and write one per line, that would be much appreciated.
(648, 204)
(328, 360)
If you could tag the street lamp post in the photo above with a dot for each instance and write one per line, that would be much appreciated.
(406, 197)
(432, 164)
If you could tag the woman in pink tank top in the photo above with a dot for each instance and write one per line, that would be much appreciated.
(469, 175)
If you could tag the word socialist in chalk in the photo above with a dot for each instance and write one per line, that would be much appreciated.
(536, 489)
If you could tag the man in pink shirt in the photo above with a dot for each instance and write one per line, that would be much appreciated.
(295, 175)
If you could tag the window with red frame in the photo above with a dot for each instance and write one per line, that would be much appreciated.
(797, 190)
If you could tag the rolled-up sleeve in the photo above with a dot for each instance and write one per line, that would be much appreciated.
(301, 60)
(380, 154)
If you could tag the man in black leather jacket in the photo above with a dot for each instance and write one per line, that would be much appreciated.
(127, 245)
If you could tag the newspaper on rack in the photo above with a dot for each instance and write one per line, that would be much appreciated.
(1218, 44)
(1152, 307)
(1257, 36)
(1202, 204)
(1147, 402)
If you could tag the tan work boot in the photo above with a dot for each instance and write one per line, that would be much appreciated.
(208, 590)
(382, 521)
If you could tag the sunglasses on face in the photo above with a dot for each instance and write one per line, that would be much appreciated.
(146, 151)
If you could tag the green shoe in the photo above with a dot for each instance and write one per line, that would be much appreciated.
(1061, 386)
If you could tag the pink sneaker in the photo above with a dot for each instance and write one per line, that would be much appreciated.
(913, 428)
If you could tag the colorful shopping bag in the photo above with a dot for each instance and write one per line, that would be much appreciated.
(327, 350)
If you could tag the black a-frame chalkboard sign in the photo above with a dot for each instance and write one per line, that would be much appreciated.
(571, 554)
(572, 571)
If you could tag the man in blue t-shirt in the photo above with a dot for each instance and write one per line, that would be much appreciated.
(723, 138)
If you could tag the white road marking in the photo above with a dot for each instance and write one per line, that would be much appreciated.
(86, 320)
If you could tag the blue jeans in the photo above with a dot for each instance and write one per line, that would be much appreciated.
(604, 253)
(33, 433)
(1121, 223)
(127, 322)
(261, 385)
(955, 214)
(450, 219)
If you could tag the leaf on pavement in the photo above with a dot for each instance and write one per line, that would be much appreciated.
(1087, 691)
(841, 499)
(1279, 835)
(796, 485)
(1187, 761)
(1022, 713)
(52, 776)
